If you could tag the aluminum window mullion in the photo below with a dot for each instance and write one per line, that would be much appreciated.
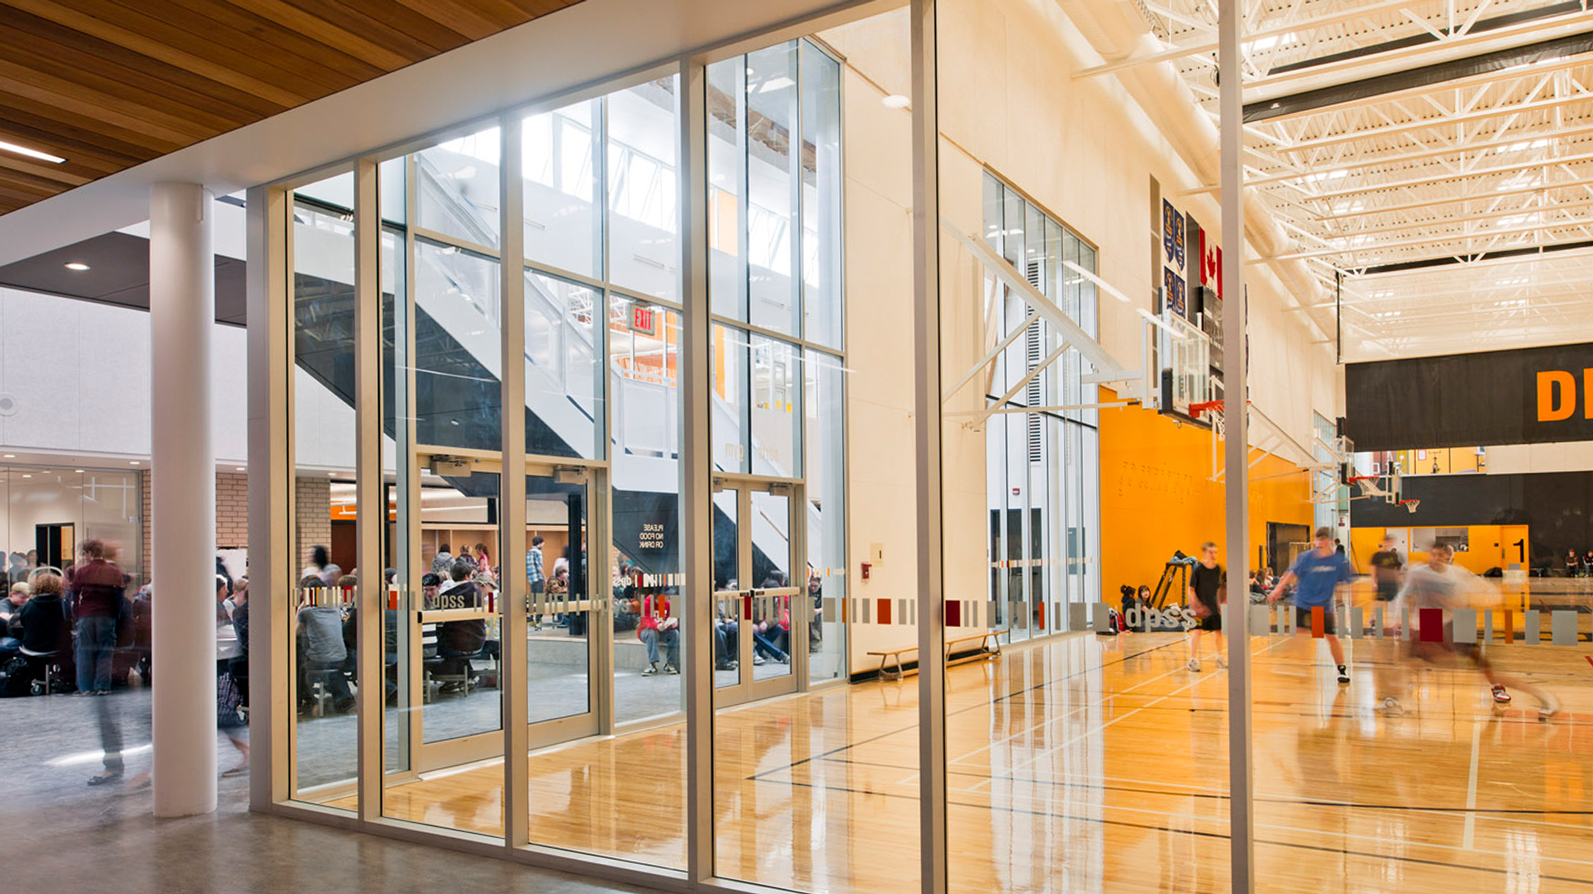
(514, 680)
(370, 496)
(269, 252)
(444, 239)
(794, 219)
(927, 435)
(696, 465)
(1241, 747)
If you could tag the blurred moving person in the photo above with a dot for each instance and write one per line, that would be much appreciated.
(1443, 586)
(96, 600)
(1317, 574)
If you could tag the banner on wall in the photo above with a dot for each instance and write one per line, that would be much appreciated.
(1210, 263)
(1172, 236)
(1173, 284)
(1529, 396)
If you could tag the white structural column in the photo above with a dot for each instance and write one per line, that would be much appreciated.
(182, 304)
(926, 410)
(1236, 451)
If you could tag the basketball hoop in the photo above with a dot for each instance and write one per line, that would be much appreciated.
(1410, 505)
(1196, 410)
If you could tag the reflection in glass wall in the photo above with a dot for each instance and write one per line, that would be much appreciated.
(602, 339)
(45, 512)
(442, 358)
(322, 592)
(824, 472)
(1040, 472)
(643, 189)
(784, 814)
(561, 166)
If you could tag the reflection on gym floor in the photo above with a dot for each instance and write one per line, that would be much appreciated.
(1092, 763)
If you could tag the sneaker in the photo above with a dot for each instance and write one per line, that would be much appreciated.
(1501, 695)
(1549, 708)
(1344, 675)
(652, 668)
(1391, 707)
(1222, 663)
(759, 660)
(1194, 665)
(671, 669)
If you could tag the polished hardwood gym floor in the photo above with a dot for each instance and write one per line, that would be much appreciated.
(1100, 764)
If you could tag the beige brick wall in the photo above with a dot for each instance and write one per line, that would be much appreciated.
(312, 517)
(232, 512)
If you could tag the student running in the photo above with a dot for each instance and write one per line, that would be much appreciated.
(1316, 574)
(1440, 585)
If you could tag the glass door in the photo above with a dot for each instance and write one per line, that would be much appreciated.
(760, 615)
(564, 626)
(445, 648)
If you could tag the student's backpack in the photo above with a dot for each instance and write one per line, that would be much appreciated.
(14, 679)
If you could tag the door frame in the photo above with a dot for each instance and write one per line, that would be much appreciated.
(488, 745)
(747, 688)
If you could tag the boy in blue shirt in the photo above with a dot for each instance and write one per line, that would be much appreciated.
(1318, 573)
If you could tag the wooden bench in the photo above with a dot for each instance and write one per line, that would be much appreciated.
(890, 660)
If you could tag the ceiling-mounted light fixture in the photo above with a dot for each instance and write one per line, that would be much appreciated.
(31, 153)
(79, 266)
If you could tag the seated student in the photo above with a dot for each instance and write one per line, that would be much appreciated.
(9, 609)
(41, 625)
(657, 628)
(321, 650)
(464, 639)
(816, 626)
(771, 635)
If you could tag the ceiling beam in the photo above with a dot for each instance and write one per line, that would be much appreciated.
(1430, 240)
(1550, 132)
(1450, 177)
(1352, 136)
(1203, 48)
(1415, 79)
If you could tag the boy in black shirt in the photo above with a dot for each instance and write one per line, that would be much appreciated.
(1205, 599)
(1386, 565)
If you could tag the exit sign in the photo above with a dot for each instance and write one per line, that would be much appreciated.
(644, 319)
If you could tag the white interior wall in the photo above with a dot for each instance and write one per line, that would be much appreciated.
(79, 372)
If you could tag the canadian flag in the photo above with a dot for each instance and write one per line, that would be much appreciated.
(1210, 264)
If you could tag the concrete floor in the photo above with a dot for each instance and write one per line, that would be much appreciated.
(62, 835)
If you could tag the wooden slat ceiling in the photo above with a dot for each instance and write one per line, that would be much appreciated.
(108, 85)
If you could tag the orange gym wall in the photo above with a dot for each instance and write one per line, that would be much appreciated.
(1490, 547)
(1157, 496)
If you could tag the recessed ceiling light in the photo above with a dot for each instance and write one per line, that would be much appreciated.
(31, 153)
(26, 475)
(79, 266)
(132, 462)
(78, 471)
(9, 456)
(240, 468)
(896, 101)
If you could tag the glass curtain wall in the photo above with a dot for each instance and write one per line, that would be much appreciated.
(322, 565)
(778, 432)
(48, 511)
(602, 344)
(1042, 480)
